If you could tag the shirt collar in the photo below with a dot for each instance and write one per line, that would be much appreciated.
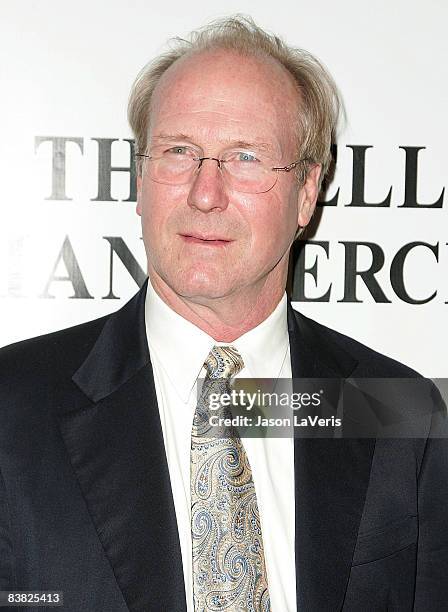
(181, 348)
(263, 348)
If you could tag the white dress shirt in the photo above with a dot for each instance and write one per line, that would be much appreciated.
(178, 350)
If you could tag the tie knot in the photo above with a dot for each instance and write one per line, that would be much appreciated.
(223, 362)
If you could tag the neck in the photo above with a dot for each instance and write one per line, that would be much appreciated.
(227, 318)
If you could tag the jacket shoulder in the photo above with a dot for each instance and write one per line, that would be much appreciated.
(371, 363)
(47, 356)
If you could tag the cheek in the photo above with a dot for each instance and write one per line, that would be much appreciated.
(159, 204)
(272, 223)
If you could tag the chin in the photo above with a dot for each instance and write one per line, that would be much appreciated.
(199, 284)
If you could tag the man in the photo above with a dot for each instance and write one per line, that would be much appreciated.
(108, 492)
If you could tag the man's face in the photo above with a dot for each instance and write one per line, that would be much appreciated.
(204, 239)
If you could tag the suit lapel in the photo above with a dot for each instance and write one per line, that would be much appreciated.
(116, 448)
(331, 479)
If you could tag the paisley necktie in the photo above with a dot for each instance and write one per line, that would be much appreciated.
(229, 570)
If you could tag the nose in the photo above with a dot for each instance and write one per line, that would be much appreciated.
(207, 190)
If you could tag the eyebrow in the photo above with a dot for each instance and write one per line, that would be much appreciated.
(177, 136)
(257, 144)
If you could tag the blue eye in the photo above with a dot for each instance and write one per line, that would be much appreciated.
(246, 157)
(177, 150)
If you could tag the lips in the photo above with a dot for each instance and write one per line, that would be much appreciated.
(210, 239)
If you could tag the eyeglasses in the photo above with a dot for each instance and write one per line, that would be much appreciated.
(243, 171)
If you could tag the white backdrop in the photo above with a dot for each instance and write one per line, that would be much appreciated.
(66, 73)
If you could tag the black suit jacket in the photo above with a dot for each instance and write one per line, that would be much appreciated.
(85, 498)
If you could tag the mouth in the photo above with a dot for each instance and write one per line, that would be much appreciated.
(211, 240)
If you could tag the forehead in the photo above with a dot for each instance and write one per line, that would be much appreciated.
(220, 96)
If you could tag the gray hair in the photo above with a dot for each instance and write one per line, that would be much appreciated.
(317, 115)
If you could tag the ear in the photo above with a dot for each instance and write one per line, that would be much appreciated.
(308, 196)
(139, 195)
